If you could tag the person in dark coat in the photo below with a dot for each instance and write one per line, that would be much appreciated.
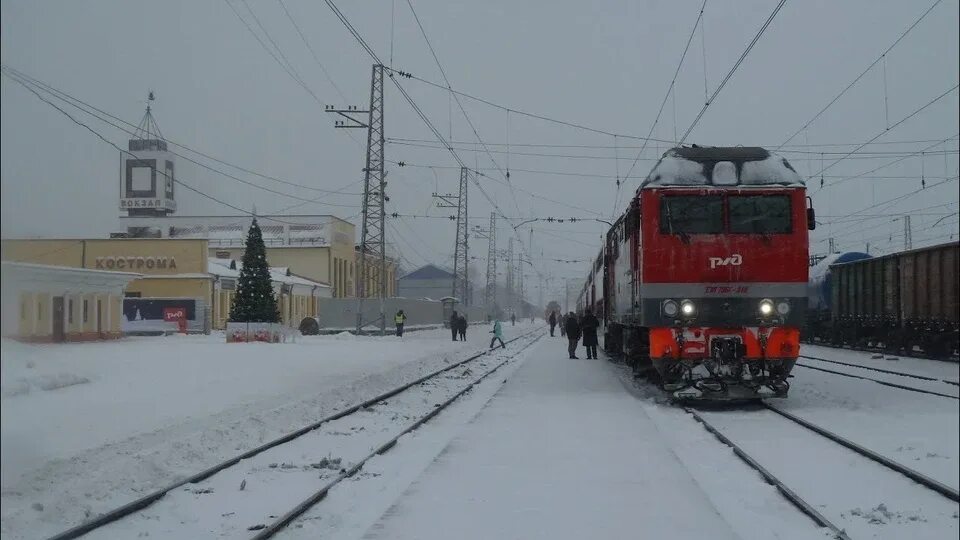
(572, 330)
(454, 324)
(513, 319)
(563, 325)
(588, 326)
(462, 327)
(553, 321)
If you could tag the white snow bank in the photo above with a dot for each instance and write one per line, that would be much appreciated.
(159, 408)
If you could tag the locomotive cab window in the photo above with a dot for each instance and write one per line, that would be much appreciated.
(760, 214)
(691, 214)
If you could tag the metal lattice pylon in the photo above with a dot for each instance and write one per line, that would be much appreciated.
(510, 292)
(372, 240)
(490, 293)
(460, 255)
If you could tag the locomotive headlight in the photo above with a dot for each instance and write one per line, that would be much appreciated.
(670, 308)
(783, 308)
(766, 307)
(687, 308)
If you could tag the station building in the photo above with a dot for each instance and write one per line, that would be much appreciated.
(167, 274)
(48, 303)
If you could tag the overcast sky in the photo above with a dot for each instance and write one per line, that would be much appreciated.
(604, 64)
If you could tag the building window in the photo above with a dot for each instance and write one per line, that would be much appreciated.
(70, 311)
(131, 295)
(85, 312)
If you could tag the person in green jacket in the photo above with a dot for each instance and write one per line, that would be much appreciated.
(497, 335)
(399, 319)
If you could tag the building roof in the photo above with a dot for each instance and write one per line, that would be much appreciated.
(429, 272)
(221, 267)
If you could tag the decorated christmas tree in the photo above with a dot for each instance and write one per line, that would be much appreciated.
(254, 300)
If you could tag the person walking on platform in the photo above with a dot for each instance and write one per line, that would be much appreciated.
(513, 319)
(572, 327)
(588, 327)
(399, 319)
(563, 325)
(553, 321)
(462, 327)
(454, 325)
(497, 335)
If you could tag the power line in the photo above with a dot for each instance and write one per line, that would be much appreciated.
(130, 129)
(473, 128)
(622, 147)
(894, 162)
(860, 76)
(666, 96)
(114, 145)
(731, 72)
(886, 130)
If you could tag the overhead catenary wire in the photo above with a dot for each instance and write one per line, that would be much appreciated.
(730, 73)
(887, 130)
(663, 102)
(456, 98)
(860, 76)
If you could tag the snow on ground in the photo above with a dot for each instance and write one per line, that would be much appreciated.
(918, 430)
(856, 494)
(917, 366)
(87, 427)
(563, 451)
(269, 484)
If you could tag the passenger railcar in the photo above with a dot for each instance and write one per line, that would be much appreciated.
(705, 275)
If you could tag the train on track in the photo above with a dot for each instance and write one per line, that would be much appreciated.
(702, 282)
(907, 302)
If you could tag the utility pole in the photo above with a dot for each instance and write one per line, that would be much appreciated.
(510, 295)
(490, 234)
(372, 271)
(832, 245)
(460, 255)
(907, 233)
(520, 281)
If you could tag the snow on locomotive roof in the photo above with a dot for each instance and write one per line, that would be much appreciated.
(694, 166)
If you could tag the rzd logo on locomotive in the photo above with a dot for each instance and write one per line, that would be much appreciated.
(733, 260)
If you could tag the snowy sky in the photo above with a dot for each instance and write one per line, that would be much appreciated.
(604, 64)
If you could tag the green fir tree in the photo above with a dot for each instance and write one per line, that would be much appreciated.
(254, 300)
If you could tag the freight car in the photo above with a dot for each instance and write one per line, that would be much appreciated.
(902, 302)
(704, 276)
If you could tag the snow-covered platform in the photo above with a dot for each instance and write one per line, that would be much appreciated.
(563, 451)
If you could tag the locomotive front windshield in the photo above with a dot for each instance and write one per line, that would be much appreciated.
(760, 214)
(716, 214)
(691, 214)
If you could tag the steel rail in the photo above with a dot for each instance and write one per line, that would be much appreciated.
(891, 372)
(878, 381)
(790, 495)
(881, 350)
(147, 500)
(321, 494)
(916, 476)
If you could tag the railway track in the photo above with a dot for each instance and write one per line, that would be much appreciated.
(880, 350)
(132, 507)
(880, 381)
(881, 370)
(837, 504)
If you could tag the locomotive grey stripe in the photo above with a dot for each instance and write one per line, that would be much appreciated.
(723, 290)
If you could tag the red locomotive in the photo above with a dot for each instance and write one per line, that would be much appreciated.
(702, 282)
